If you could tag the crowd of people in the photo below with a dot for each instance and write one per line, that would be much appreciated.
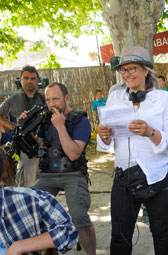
(32, 220)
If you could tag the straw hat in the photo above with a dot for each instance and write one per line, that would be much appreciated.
(135, 54)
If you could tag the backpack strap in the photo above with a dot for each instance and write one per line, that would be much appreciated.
(74, 117)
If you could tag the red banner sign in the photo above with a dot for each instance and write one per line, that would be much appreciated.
(160, 43)
(160, 47)
(107, 52)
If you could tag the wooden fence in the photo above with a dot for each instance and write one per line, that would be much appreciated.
(81, 82)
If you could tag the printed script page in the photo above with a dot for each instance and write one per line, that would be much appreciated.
(118, 118)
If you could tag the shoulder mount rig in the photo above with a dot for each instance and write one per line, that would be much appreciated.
(74, 117)
(21, 133)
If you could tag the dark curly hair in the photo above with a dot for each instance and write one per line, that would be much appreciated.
(30, 69)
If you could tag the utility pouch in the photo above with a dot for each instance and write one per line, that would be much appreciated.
(135, 182)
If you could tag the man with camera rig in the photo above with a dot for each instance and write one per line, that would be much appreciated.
(63, 164)
(12, 108)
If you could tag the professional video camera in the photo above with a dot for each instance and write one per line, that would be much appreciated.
(41, 84)
(22, 138)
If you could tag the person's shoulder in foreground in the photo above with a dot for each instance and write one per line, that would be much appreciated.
(27, 213)
(33, 212)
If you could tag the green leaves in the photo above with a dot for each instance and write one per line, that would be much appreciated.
(10, 44)
(51, 62)
(161, 26)
(38, 46)
(63, 20)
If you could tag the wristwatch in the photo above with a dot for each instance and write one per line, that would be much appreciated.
(153, 133)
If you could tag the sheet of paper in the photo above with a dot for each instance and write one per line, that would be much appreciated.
(118, 118)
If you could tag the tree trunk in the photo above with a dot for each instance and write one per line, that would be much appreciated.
(132, 22)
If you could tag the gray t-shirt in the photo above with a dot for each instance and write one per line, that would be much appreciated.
(16, 104)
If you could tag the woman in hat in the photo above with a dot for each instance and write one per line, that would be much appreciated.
(141, 157)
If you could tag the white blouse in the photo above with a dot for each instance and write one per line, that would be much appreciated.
(136, 149)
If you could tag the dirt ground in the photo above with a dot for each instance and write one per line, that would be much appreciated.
(101, 169)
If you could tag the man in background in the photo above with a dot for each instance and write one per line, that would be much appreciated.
(13, 107)
(162, 82)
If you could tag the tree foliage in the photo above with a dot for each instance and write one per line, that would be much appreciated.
(52, 62)
(61, 19)
(161, 26)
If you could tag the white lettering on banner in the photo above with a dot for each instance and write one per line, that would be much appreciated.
(160, 42)
(165, 41)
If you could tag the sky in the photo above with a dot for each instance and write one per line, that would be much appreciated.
(85, 44)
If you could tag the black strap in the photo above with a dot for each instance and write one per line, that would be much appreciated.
(74, 117)
(29, 105)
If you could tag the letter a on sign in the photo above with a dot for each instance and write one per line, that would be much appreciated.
(160, 43)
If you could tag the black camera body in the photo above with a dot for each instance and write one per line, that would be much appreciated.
(21, 133)
(42, 83)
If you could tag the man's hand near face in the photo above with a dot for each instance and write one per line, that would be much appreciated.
(58, 119)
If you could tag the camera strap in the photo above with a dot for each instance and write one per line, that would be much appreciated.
(30, 102)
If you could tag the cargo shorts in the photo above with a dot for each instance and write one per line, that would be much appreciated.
(76, 190)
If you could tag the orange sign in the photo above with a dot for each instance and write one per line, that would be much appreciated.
(160, 47)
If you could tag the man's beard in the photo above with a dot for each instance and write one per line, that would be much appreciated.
(31, 89)
(61, 110)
